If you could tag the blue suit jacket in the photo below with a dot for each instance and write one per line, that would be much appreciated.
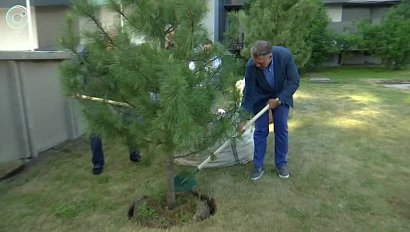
(257, 91)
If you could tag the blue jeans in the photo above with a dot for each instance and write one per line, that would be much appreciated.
(98, 153)
(280, 123)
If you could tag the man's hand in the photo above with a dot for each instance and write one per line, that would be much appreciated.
(273, 103)
(241, 127)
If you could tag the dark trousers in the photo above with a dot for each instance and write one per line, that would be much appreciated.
(280, 122)
(98, 153)
(96, 150)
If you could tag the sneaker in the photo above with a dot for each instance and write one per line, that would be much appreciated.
(97, 169)
(257, 173)
(135, 157)
(283, 172)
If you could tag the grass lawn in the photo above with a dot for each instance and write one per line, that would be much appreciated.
(349, 161)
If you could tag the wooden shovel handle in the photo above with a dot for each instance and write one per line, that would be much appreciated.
(248, 124)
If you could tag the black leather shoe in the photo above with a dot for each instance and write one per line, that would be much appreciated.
(97, 169)
(135, 157)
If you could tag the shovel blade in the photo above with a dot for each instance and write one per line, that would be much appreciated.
(184, 182)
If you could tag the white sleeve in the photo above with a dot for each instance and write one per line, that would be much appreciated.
(191, 66)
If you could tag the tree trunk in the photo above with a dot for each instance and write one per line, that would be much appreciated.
(340, 59)
(171, 202)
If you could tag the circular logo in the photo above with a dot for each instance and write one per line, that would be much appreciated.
(16, 17)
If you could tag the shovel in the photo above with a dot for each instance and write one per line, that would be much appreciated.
(185, 181)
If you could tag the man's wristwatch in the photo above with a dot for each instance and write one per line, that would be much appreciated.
(278, 100)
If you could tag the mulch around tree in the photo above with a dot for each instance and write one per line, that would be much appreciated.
(191, 207)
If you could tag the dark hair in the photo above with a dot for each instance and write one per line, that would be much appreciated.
(208, 41)
(261, 48)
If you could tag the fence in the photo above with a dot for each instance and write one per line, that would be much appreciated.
(34, 113)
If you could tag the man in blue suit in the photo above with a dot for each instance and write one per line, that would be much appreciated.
(272, 78)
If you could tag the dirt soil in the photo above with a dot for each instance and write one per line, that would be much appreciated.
(191, 207)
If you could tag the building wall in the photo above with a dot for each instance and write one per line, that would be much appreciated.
(353, 14)
(361, 59)
(211, 20)
(47, 24)
(335, 13)
(8, 3)
(378, 13)
(349, 15)
(343, 20)
(109, 18)
(50, 26)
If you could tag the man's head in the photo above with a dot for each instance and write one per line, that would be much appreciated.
(111, 32)
(261, 52)
(208, 44)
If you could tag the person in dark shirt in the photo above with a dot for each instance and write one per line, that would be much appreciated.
(95, 138)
